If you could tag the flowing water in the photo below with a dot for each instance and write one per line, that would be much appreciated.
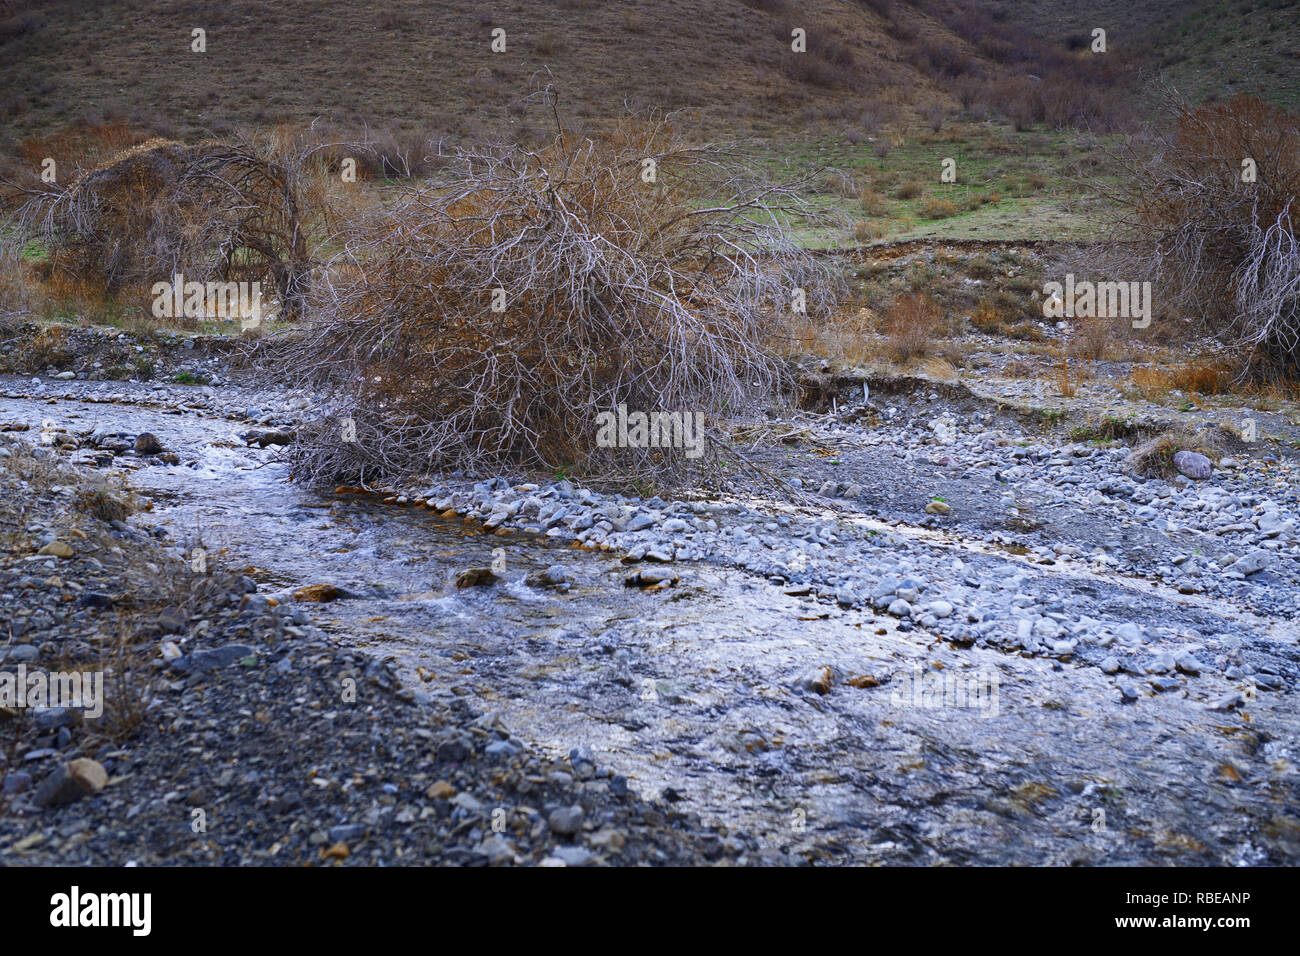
(708, 691)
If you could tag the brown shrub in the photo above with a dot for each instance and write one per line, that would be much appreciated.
(868, 231)
(239, 210)
(1219, 248)
(613, 292)
(911, 325)
(1092, 337)
(872, 203)
(1212, 378)
(938, 209)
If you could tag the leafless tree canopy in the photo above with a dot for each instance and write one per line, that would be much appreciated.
(243, 209)
(1221, 249)
(629, 269)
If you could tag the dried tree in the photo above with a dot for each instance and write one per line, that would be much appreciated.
(1209, 216)
(248, 209)
(626, 268)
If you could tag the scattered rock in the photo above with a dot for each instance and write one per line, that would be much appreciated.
(566, 821)
(147, 443)
(1193, 464)
(319, 593)
(70, 782)
(556, 576)
(1251, 563)
(476, 578)
(652, 578)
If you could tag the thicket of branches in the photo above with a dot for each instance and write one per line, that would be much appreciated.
(616, 291)
(112, 225)
(1221, 251)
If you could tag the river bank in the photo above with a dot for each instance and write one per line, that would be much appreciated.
(784, 685)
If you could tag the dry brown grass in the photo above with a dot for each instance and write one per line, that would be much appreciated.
(992, 318)
(867, 231)
(1202, 378)
(1093, 338)
(872, 202)
(1067, 374)
(1155, 457)
(423, 64)
(911, 189)
(938, 209)
(911, 325)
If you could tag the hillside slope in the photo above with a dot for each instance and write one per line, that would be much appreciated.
(1204, 48)
(416, 65)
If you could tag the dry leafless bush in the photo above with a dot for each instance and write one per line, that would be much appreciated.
(911, 324)
(244, 209)
(1221, 251)
(614, 291)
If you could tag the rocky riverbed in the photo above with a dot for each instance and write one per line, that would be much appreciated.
(957, 636)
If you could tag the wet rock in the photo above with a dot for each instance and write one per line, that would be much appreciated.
(652, 578)
(819, 680)
(147, 443)
(70, 782)
(320, 593)
(1227, 701)
(556, 576)
(476, 578)
(262, 438)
